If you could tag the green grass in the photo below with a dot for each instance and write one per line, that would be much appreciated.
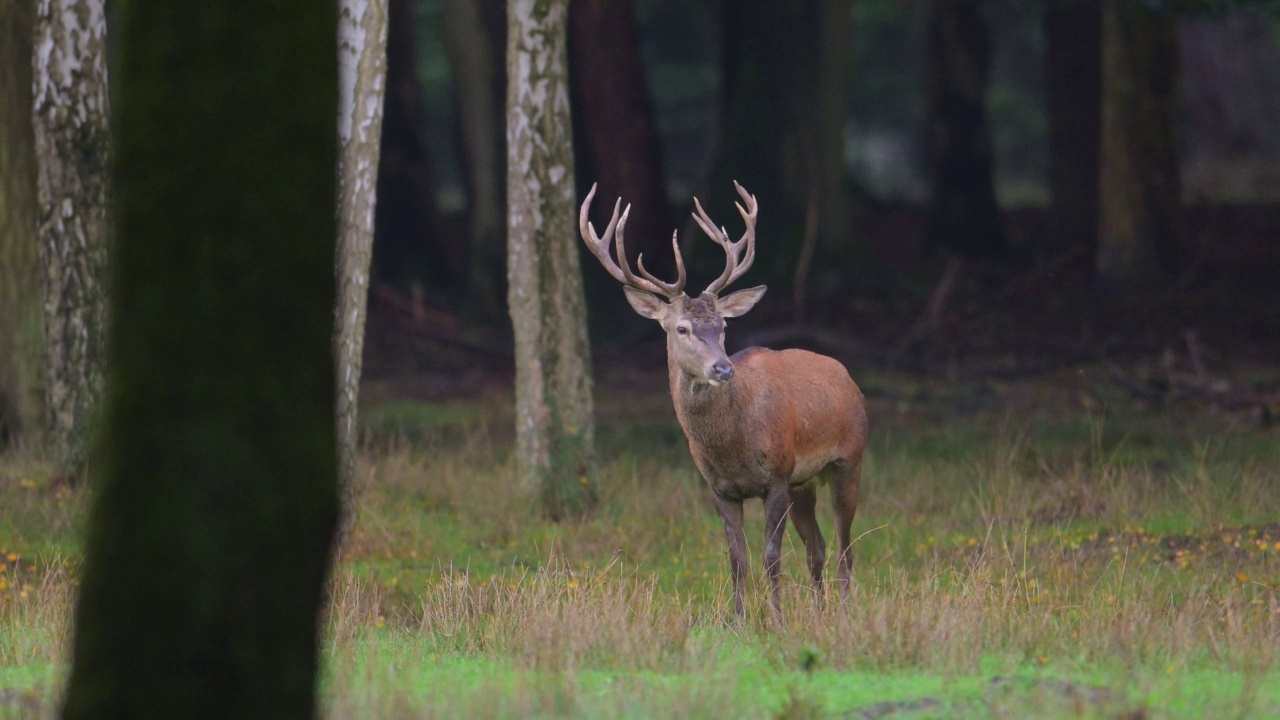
(1060, 562)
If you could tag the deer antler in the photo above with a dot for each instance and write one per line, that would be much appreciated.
(738, 255)
(621, 270)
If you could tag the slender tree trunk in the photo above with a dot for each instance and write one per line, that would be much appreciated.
(1140, 225)
(408, 245)
(210, 533)
(21, 365)
(555, 431)
(70, 111)
(362, 73)
(828, 113)
(611, 103)
(1073, 69)
(963, 216)
(475, 35)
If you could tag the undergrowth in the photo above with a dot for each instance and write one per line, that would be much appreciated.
(1055, 566)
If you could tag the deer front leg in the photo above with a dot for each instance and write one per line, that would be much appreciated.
(775, 522)
(731, 515)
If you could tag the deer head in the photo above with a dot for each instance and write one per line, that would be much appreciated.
(694, 325)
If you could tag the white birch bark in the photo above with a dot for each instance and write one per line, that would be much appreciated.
(554, 423)
(70, 120)
(362, 72)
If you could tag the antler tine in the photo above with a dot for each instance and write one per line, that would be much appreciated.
(599, 246)
(671, 290)
(737, 261)
(647, 281)
(621, 269)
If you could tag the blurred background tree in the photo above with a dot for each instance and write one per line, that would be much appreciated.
(21, 334)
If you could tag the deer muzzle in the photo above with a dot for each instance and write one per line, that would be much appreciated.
(722, 371)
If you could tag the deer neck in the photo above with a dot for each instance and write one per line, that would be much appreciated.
(702, 408)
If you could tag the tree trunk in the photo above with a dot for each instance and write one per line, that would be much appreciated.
(611, 103)
(474, 39)
(70, 111)
(555, 431)
(963, 215)
(1140, 222)
(362, 71)
(408, 246)
(828, 113)
(209, 537)
(21, 365)
(785, 68)
(1073, 82)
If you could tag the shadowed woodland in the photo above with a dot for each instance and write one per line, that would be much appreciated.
(933, 178)
(280, 441)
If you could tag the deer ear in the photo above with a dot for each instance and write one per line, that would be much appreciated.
(648, 305)
(738, 303)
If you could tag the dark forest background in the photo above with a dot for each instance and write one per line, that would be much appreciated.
(855, 124)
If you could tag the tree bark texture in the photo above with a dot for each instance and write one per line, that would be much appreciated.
(616, 121)
(1140, 223)
(210, 533)
(555, 431)
(21, 359)
(1073, 83)
(70, 118)
(963, 214)
(362, 74)
(475, 34)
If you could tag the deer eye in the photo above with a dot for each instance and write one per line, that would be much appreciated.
(682, 330)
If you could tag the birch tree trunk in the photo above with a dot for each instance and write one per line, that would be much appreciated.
(21, 364)
(70, 111)
(1140, 218)
(555, 431)
(208, 541)
(362, 71)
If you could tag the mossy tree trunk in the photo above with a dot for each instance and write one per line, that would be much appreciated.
(210, 534)
(70, 112)
(362, 70)
(555, 430)
(1140, 222)
(21, 364)
(963, 214)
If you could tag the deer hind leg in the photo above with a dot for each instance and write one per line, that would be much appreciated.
(731, 515)
(803, 513)
(844, 501)
(776, 503)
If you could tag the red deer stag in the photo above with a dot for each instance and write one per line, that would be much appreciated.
(760, 424)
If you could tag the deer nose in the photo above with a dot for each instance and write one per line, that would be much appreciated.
(722, 370)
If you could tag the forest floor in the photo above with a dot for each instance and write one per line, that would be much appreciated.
(1069, 510)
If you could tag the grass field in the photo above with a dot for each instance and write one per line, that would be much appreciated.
(1025, 556)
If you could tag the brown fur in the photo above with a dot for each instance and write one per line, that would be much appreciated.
(762, 424)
